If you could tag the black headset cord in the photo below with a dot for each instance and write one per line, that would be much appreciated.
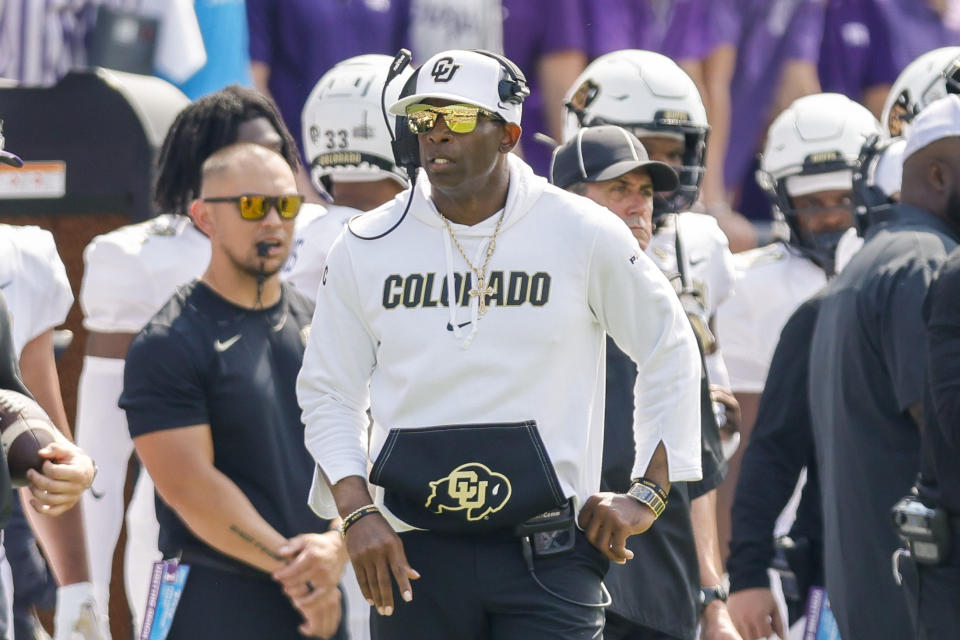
(399, 63)
(527, 547)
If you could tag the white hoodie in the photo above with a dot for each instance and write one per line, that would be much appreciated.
(570, 272)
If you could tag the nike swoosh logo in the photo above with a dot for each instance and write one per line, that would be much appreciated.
(279, 325)
(694, 263)
(459, 326)
(222, 345)
(96, 494)
(6, 284)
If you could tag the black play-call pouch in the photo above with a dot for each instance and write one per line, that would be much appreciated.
(467, 478)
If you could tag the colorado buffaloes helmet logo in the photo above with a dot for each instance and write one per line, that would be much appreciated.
(585, 94)
(473, 487)
(443, 69)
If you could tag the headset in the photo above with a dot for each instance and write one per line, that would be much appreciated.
(511, 88)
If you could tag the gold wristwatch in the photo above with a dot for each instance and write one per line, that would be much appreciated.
(645, 495)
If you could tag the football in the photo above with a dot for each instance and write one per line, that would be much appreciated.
(25, 428)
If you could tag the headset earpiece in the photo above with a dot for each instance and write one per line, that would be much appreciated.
(406, 146)
(514, 87)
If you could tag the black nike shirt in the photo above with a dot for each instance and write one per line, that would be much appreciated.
(204, 360)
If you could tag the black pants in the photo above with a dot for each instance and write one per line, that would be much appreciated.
(478, 588)
(33, 584)
(933, 597)
(619, 628)
(222, 605)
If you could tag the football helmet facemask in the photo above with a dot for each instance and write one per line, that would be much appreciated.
(813, 147)
(649, 95)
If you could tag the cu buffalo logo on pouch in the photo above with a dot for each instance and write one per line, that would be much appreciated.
(471, 487)
(443, 69)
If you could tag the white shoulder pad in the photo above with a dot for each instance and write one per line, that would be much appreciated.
(767, 254)
(130, 272)
(34, 282)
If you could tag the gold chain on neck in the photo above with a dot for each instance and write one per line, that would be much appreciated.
(482, 290)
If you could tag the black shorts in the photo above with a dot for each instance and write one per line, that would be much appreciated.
(479, 588)
(222, 605)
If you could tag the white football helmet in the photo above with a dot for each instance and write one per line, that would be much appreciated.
(814, 145)
(345, 136)
(647, 94)
(930, 77)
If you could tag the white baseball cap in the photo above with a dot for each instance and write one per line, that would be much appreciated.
(941, 119)
(462, 76)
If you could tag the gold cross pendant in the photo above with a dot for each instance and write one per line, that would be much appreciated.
(481, 291)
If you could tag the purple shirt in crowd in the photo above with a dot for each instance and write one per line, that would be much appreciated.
(533, 29)
(300, 40)
(679, 29)
(768, 33)
(856, 51)
(915, 29)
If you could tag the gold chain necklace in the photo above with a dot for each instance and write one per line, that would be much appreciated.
(482, 290)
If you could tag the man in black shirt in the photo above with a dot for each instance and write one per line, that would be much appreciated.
(657, 595)
(867, 377)
(781, 446)
(939, 486)
(210, 401)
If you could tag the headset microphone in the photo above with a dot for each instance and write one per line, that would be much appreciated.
(263, 248)
(400, 62)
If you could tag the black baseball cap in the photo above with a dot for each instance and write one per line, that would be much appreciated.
(603, 153)
(5, 156)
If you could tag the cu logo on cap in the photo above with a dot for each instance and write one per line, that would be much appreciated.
(443, 69)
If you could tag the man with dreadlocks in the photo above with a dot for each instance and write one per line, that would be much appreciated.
(129, 274)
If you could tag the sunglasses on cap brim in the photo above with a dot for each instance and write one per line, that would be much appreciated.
(460, 118)
(255, 207)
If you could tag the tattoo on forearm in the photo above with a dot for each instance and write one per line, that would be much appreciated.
(259, 545)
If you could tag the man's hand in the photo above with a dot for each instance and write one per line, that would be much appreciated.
(755, 614)
(377, 553)
(315, 558)
(608, 519)
(321, 611)
(67, 473)
(715, 623)
(729, 421)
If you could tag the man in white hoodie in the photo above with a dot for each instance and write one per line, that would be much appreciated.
(480, 301)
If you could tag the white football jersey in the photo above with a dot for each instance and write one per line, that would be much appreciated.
(564, 274)
(305, 266)
(709, 267)
(130, 272)
(772, 281)
(33, 281)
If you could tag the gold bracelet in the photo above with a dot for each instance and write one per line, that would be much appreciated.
(355, 515)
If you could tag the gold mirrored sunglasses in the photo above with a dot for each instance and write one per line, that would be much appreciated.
(255, 207)
(460, 118)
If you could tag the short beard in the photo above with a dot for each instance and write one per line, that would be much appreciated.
(255, 269)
